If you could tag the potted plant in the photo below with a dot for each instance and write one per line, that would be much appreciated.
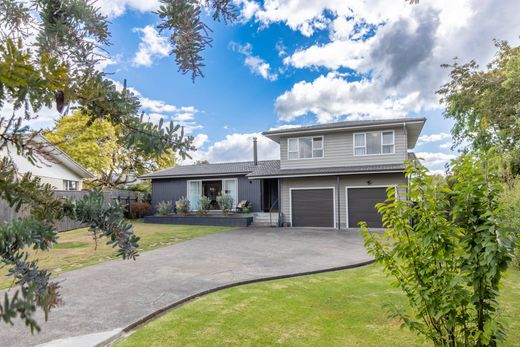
(204, 203)
(225, 201)
(164, 208)
(183, 205)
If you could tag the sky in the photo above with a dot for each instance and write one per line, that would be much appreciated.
(302, 62)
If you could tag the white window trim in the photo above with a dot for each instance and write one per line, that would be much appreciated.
(334, 197)
(211, 179)
(312, 148)
(354, 147)
(396, 187)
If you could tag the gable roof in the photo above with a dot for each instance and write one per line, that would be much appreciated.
(413, 126)
(64, 158)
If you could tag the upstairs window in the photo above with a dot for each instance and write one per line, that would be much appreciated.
(305, 147)
(373, 143)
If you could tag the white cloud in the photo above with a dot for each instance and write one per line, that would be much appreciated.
(184, 116)
(116, 8)
(199, 140)
(332, 55)
(152, 45)
(398, 46)
(446, 145)
(330, 97)
(433, 138)
(236, 147)
(256, 65)
(434, 159)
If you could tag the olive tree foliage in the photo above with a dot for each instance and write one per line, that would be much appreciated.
(49, 53)
(447, 251)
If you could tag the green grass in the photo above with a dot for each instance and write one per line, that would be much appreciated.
(343, 308)
(77, 249)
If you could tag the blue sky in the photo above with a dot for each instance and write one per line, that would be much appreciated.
(302, 62)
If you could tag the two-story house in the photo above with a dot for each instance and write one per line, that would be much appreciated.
(329, 175)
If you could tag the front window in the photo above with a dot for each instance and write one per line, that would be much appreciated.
(373, 143)
(70, 185)
(305, 148)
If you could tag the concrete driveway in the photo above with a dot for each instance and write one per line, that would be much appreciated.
(101, 300)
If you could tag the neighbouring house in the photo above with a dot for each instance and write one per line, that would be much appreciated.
(329, 175)
(54, 167)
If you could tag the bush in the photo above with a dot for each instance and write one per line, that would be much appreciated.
(449, 261)
(510, 211)
(225, 201)
(165, 208)
(183, 205)
(204, 203)
(139, 209)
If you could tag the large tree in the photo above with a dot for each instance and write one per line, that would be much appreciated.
(100, 147)
(49, 50)
(485, 103)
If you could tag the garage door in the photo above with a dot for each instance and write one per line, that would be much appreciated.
(312, 207)
(361, 206)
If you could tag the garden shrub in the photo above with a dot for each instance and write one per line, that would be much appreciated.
(510, 211)
(164, 208)
(447, 250)
(204, 203)
(139, 209)
(183, 205)
(225, 202)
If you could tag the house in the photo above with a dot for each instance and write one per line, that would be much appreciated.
(328, 175)
(54, 167)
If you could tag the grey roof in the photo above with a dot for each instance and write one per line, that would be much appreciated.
(345, 124)
(273, 170)
(218, 169)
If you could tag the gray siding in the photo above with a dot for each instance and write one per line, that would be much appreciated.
(339, 151)
(172, 189)
(345, 181)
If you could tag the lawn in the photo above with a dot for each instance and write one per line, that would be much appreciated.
(343, 308)
(77, 249)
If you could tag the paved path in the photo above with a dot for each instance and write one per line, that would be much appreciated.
(102, 299)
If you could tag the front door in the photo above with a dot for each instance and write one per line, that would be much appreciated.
(212, 189)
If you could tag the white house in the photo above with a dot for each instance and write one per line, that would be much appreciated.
(57, 168)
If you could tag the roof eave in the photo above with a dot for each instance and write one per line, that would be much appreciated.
(327, 174)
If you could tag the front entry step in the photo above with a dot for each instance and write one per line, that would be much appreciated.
(265, 219)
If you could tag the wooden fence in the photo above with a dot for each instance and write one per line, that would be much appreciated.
(125, 197)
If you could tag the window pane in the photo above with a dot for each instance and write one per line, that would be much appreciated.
(318, 143)
(388, 148)
(293, 145)
(373, 143)
(306, 147)
(359, 140)
(317, 153)
(293, 155)
(360, 151)
(388, 138)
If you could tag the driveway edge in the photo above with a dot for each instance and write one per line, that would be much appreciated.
(181, 302)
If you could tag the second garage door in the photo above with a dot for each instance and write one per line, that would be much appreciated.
(361, 206)
(312, 207)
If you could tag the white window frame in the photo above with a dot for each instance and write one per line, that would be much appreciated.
(322, 148)
(67, 183)
(354, 147)
(213, 179)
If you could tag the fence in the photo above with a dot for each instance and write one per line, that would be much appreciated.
(125, 197)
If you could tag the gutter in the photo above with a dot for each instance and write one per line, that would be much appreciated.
(327, 174)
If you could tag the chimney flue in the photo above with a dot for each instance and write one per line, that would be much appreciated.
(255, 152)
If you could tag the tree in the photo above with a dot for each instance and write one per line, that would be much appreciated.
(100, 147)
(49, 50)
(485, 104)
(447, 250)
